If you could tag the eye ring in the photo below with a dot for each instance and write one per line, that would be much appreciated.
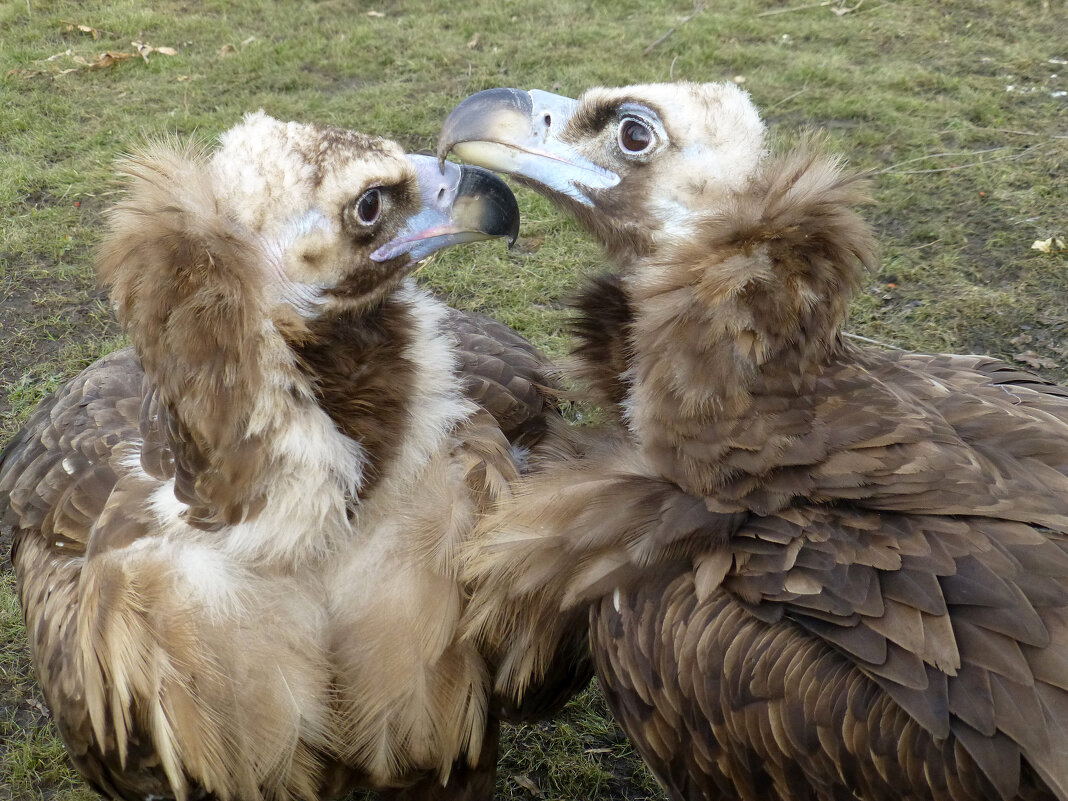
(368, 207)
(634, 136)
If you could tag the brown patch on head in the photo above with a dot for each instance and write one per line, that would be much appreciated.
(363, 378)
(374, 280)
(592, 115)
(323, 146)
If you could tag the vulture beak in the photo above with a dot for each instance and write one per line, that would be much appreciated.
(518, 133)
(459, 204)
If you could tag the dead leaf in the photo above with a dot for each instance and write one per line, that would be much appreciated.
(248, 41)
(598, 751)
(96, 33)
(142, 49)
(528, 784)
(1052, 245)
(375, 14)
(109, 59)
(475, 43)
(145, 49)
(841, 11)
(184, 78)
(227, 50)
(1032, 359)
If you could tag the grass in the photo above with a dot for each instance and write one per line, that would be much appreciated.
(968, 173)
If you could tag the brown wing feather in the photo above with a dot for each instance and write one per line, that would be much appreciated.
(55, 476)
(569, 536)
(504, 374)
(723, 704)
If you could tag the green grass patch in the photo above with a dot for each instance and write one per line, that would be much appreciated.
(954, 106)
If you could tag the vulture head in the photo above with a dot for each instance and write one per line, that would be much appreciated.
(337, 217)
(634, 164)
(757, 253)
(231, 270)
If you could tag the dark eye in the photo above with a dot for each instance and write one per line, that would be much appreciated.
(634, 136)
(369, 206)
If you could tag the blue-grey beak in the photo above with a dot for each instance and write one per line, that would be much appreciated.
(518, 133)
(459, 204)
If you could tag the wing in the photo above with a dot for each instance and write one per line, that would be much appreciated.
(58, 472)
(898, 652)
(135, 661)
(56, 477)
(504, 374)
(894, 432)
(994, 407)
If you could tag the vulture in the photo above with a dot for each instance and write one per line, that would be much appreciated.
(236, 541)
(811, 569)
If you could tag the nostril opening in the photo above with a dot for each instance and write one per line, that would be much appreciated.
(548, 120)
(441, 194)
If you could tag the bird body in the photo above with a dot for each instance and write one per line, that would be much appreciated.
(235, 541)
(810, 568)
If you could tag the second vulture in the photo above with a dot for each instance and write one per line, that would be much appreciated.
(236, 541)
(813, 569)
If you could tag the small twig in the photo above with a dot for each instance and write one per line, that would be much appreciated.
(696, 10)
(793, 8)
(1007, 131)
(1028, 133)
(671, 70)
(927, 244)
(870, 341)
(786, 99)
(841, 12)
(663, 38)
(1012, 157)
(944, 155)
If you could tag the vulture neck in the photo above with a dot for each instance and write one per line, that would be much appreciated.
(736, 324)
(360, 366)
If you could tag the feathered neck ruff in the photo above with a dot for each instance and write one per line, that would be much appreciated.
(756, 297)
